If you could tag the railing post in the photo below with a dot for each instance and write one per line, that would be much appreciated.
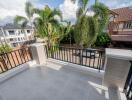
(117, 67)
(80, 56)
(38, 51)
(128, 84)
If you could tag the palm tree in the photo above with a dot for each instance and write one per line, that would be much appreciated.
(88, 27)
(102, 14)
(29, 10)
(48, 26)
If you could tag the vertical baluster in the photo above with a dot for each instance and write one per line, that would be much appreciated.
(94, 59)
(27, 51)
(46, 48)
(69, 54)
(25, 54)
(82, 50)
(57, 52)
(99, 65)
(8, 60)
(80, 58)
(129, 90)
(90, 58)
(54, 52)
(4, 63)
(72, 56)
(86, 58)
(98, 60)
(13, 59)
(64, 54)
(17, 58)
(75, 55)
(1, 69)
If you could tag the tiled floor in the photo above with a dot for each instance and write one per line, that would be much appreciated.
(52, 83)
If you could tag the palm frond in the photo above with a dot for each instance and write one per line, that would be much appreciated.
(102, 14)
(20, 19)
(29, 9)
(79, 12)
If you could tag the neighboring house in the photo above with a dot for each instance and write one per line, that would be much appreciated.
(120, 25)
(15, 35)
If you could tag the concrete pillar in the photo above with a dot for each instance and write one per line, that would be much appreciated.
(38, 51)
(117, 68)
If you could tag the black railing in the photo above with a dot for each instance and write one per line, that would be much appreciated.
(86, 57)
(29, 42)
(14, 58)
(128, 85)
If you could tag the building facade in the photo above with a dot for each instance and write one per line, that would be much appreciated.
(15, 35)
(120, 25)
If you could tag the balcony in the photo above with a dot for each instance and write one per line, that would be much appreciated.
(57, 78)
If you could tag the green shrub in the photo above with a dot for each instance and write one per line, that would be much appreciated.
(5, 48)
(103, 40)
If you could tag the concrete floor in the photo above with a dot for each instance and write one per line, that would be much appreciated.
(53, 83)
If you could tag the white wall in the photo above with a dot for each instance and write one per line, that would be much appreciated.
(18, 36)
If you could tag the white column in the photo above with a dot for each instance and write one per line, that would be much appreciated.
(38, 51)
(117, 67)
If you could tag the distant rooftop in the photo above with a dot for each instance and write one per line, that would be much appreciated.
(15, 26)
(125, 14)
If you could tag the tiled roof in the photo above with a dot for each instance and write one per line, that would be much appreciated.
(13, 26)
(125, 14)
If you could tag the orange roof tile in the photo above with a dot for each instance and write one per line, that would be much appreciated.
(124, 14)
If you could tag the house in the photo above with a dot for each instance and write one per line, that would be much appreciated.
(15, 35)
(120, 25)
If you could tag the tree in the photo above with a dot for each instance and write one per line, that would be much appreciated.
(29, 10)
(102, 14)
(87, 27)
(48, 26)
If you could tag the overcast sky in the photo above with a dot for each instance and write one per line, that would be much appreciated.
(11, 8)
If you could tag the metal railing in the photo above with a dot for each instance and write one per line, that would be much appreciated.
(29, 42)
(14, 58)
(128, 85)
(92, 58)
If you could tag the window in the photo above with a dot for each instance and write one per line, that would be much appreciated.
(11, 32)
(28, 31)
(19, 32)
(22, 31)
(128, 26)
(18, 39)
(11, 39)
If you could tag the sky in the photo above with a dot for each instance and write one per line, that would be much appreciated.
(11, 8)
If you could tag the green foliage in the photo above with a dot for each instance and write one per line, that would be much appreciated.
(102, 14)
(69, 38)
(49, 27)
(5, 48)
(87, 28)
(103, 40)
(86, 31)
(23, 21)
(46, 25)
